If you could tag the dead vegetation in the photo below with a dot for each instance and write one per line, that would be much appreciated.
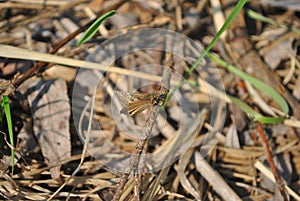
(197, 148)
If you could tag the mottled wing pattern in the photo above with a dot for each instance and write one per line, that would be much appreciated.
(136, 107)
(137, 102)
(133, 103)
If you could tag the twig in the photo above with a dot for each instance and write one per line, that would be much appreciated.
(278, 179)
(136, 186)
(267, 172)
(5, 139)
(134, 159)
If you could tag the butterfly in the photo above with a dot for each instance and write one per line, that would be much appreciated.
(134, 103)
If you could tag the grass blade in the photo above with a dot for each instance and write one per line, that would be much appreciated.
(260, 85)
(252, 114)
(94, 27)
(256, 16)
(228, 21)
(5, 105)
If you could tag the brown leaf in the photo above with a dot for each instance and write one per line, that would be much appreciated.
(232, 138)
(277, 49)
(50, 109)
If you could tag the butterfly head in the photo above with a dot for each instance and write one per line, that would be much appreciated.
(159, 100)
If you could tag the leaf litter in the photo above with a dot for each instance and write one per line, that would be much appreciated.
(51, 149)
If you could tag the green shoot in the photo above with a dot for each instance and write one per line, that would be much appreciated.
(253, 114)
(5, 105)
(257, 16)
(230, 18)
(260, 85)
(94, 27)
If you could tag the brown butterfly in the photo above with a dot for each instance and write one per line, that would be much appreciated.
(134, 103)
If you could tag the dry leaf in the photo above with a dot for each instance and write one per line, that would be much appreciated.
(275, 47)
(296, 91)
(182, 166)
(50, 108)
(232, 138)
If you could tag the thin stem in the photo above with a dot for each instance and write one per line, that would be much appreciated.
(278, 179)
(134, 158)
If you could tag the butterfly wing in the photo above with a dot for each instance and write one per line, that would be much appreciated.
(124, 98)
(133, 103)
(137, 102)
(138, 106)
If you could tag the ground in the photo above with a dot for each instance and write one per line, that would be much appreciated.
(168, 121)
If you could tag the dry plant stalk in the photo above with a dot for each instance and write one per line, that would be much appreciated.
(138, 103)
(271, 162)
(40, 66)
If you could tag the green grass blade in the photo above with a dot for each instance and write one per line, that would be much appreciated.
(228, 21)
(5, 104)
(256, 16)
(255, 82)
(253, 114)
(94, 27)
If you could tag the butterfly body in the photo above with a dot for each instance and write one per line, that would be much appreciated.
(137, 102)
